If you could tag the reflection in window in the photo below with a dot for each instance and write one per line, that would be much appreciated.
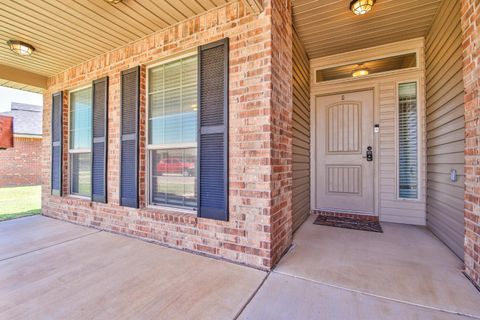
(81, 174)
(172, 132)
(173, 176)
(408, 141)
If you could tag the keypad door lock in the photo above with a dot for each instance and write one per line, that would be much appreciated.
(369, 154)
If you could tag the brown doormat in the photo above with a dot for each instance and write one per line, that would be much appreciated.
(348, 223)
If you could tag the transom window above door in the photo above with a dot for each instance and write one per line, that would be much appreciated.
(368, 67)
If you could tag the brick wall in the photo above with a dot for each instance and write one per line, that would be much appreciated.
(471, 78)
(259, 228)
(21, 165)
(281, 127)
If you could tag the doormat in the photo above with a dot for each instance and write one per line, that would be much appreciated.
(349, 223)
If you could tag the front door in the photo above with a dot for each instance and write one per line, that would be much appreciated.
(344, 153)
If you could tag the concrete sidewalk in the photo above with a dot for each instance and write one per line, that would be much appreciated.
(56, 270)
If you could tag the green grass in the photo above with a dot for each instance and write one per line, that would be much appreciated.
(16, 202)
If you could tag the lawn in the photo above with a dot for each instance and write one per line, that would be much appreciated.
(16, 202)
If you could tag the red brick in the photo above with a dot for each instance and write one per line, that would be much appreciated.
(22, 164)
(260, 137)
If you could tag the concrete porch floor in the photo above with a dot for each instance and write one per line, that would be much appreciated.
(334, 273)
(56, 270)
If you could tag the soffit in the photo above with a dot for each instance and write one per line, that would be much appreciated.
(328, 27)
(68, 32)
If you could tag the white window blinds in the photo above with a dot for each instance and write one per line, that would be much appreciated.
(408, 141)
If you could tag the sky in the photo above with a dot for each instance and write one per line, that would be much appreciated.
(8, 95)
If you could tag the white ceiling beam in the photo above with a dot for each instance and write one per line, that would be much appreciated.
(23, 77)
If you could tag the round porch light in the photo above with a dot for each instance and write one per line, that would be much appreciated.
(20, 48)
(360, 7)
(360, 72)
(113, 1)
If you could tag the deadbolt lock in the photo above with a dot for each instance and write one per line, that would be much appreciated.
(369, 154)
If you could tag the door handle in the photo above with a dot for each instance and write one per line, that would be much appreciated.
(369, 154)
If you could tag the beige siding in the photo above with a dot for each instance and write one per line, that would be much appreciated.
(301, 134)
(445, 126)
(393, 209)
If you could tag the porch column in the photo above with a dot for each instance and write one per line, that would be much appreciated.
(471, 74)
(281, 129)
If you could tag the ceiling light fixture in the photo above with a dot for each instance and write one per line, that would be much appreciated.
(20, 48)
(113, 1)
(360, 71)
(360, 7)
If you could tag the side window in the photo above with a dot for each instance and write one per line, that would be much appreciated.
(407, 141)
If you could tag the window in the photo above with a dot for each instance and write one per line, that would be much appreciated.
(172, 133)
(80, 142)
(407, 141)
(393, 63)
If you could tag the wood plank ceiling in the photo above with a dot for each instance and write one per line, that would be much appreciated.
(68, 32)
(328, 27)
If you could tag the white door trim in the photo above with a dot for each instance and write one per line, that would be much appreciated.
(313, 142)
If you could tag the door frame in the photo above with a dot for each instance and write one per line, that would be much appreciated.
(354, 87)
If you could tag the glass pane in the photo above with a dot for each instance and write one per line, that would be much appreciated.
(81, 174)
(81, 119)
(156, 120)
(173, 116)
(173, 177)
(155, 77)
(173, 102)
(408, 140)
(189, 116)
(404, 61)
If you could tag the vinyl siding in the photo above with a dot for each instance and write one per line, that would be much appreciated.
(445, 127)
(391, 208)
(301, 134)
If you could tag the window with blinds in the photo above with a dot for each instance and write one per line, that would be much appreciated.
(172, 133)
(80, 144)
(407, 141)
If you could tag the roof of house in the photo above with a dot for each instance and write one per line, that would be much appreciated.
(27, 118)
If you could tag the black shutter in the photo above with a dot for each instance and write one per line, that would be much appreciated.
(99, 139)
(212, 179)
(130, 98)
(57, 136)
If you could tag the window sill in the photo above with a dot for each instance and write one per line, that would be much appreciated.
(410, 199)
(77, 197)
(172, 209)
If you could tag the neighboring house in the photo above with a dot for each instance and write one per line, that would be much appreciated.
(21, 165)
(221, 131)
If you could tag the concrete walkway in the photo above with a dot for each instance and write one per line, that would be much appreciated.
(333, 273)
(56, 270)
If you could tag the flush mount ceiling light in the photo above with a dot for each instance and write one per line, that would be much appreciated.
(360, 71)
(20, 48)
(113, 1)
(360, 7)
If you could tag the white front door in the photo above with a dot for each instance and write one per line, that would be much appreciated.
(344, 135)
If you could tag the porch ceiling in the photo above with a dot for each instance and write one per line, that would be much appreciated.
(68, 32)
(328, 27)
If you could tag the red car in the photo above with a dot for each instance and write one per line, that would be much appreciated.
(175, 166)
